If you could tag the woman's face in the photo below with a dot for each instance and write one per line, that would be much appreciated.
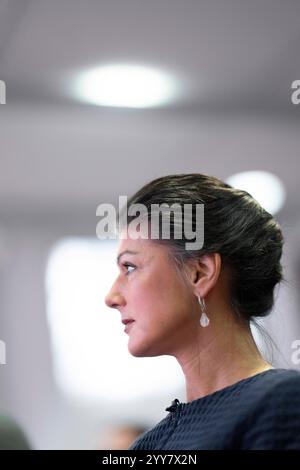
(149, 290)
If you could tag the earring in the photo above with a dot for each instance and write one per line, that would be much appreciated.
(204, 320)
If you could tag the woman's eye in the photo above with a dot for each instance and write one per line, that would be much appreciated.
(126, 265)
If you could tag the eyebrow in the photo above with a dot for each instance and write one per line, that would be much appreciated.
(129, 252)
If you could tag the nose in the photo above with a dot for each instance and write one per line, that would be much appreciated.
(114, 299)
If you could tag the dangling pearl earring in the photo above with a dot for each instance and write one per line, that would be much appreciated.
(204, 320)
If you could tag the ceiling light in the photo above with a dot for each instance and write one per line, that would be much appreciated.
(127, 86)
(265, 187)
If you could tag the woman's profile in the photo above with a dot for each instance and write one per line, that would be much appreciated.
(197, 306)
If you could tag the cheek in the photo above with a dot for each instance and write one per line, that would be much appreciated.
(162, 298)
(147, 305)
(157, 297)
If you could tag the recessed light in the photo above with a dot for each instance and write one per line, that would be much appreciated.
(265, 187)
(130, 86)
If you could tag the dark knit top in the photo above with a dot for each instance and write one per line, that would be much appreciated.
(259, 412)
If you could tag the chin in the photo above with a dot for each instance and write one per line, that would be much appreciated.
(139, 352)
(143, 350)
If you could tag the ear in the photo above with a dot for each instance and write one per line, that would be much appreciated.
(205, 273)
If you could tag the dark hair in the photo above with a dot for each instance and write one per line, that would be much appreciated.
(247, 237)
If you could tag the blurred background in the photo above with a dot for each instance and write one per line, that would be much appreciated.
(102, 97)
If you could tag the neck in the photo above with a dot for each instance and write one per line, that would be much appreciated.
(217, 358)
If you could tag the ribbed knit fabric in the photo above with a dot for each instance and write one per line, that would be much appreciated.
(260, 412)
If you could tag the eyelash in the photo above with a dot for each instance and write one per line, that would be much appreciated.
(126, 265)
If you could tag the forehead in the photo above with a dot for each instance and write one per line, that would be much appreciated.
(144, 247)
(139, 245)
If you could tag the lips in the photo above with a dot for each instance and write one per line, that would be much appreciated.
(126, 321)
(128, 325)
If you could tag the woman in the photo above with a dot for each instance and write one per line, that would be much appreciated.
(196, 305)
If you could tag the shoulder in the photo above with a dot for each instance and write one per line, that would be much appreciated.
(282, 387)
(275, 421)
(272, 385)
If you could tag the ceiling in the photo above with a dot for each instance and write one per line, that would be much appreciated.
(235, 59)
